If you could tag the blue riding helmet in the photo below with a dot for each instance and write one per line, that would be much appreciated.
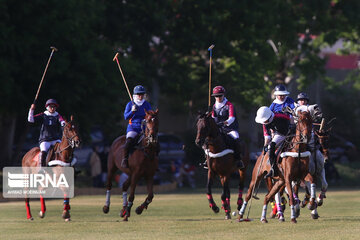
(139, 90)
(302, 95)
(51, 101)
(280, 90)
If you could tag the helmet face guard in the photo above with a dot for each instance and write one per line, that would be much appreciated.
(218, 91)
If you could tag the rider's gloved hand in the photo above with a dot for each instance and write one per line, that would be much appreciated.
(133, 108)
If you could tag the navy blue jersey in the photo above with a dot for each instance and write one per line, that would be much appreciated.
(50, 126)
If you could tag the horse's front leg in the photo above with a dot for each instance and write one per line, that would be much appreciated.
(66, 211)
(212, 203)
(134, 179)
(291, 197)
(270, 196)
(240, 199)
(28, 210)
(43, 207)
(225, 197)
(111, 171)
(313, 203)
(324, 186)
(150, 196)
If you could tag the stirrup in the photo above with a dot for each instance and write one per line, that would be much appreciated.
(270, 173)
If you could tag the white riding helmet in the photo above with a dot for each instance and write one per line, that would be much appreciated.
(263, 114)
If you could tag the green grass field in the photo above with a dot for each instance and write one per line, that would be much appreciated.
(183, 215)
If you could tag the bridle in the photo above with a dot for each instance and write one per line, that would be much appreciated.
(149, 138)
(70, 141)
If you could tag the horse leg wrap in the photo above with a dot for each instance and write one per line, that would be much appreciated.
(124, 196)
(240, 199)
(28, 212)
(211, 200)
(313, 190)
(107, 198)
(243, 207)
(43, 206)
(66, 204)
(292, 212)
(263, 215)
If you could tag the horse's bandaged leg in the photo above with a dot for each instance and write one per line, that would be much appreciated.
(292, 212)
(278, 201)
(107, 198)
(124, 195)
(263, 215)
(313, 190)
(243, 207)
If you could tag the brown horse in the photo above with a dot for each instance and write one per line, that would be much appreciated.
(62, 153)
(294, 166)
(220, 161)
(143, 163)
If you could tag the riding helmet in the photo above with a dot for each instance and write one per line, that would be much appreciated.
(302, 95)
(218, 91)
(263, 114)
(280, 90)
(51, 101)
(139, 90)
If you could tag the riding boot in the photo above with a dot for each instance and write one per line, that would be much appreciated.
(43, 156)
(237, 154)
(272, 159)
(127, 146)
(204, 164)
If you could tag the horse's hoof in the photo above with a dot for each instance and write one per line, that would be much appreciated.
(215, 209)
(106, 209)
(320, 202)
(41, 214)
(281, 217)
(125, 219)
(272, 215)
(263, 220)
(315, 216)
(304, 202)
(67, 219)
(227, 216)
(312, 205)
(66, 214)
(123, 212)
(139, 210)
(293, 220)
(30, 219)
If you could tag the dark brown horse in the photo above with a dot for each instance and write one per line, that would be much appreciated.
(220, 161)
(143, 163)
(294, 166)
(62, 153)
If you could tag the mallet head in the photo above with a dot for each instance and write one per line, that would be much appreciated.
(211, 47)
(115, 57)
(54, 49)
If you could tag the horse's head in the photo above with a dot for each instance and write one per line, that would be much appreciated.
(71, 134)
(205, 124)
(303, 126)
(151, 121)
(323, 136)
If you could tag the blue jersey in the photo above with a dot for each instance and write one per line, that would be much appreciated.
(277, 107)
(135, 118)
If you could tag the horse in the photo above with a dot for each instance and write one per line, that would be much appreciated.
(317, 160)
(59, 156)
(293, 166)
(220, 162)
(143, 163)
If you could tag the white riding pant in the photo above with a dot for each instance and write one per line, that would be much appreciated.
(44, 146)
(131, 134)
(234, 134)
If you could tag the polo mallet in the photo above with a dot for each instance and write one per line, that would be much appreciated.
(252, 193)
(210, 50)
(117, 61)
(53, 49)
